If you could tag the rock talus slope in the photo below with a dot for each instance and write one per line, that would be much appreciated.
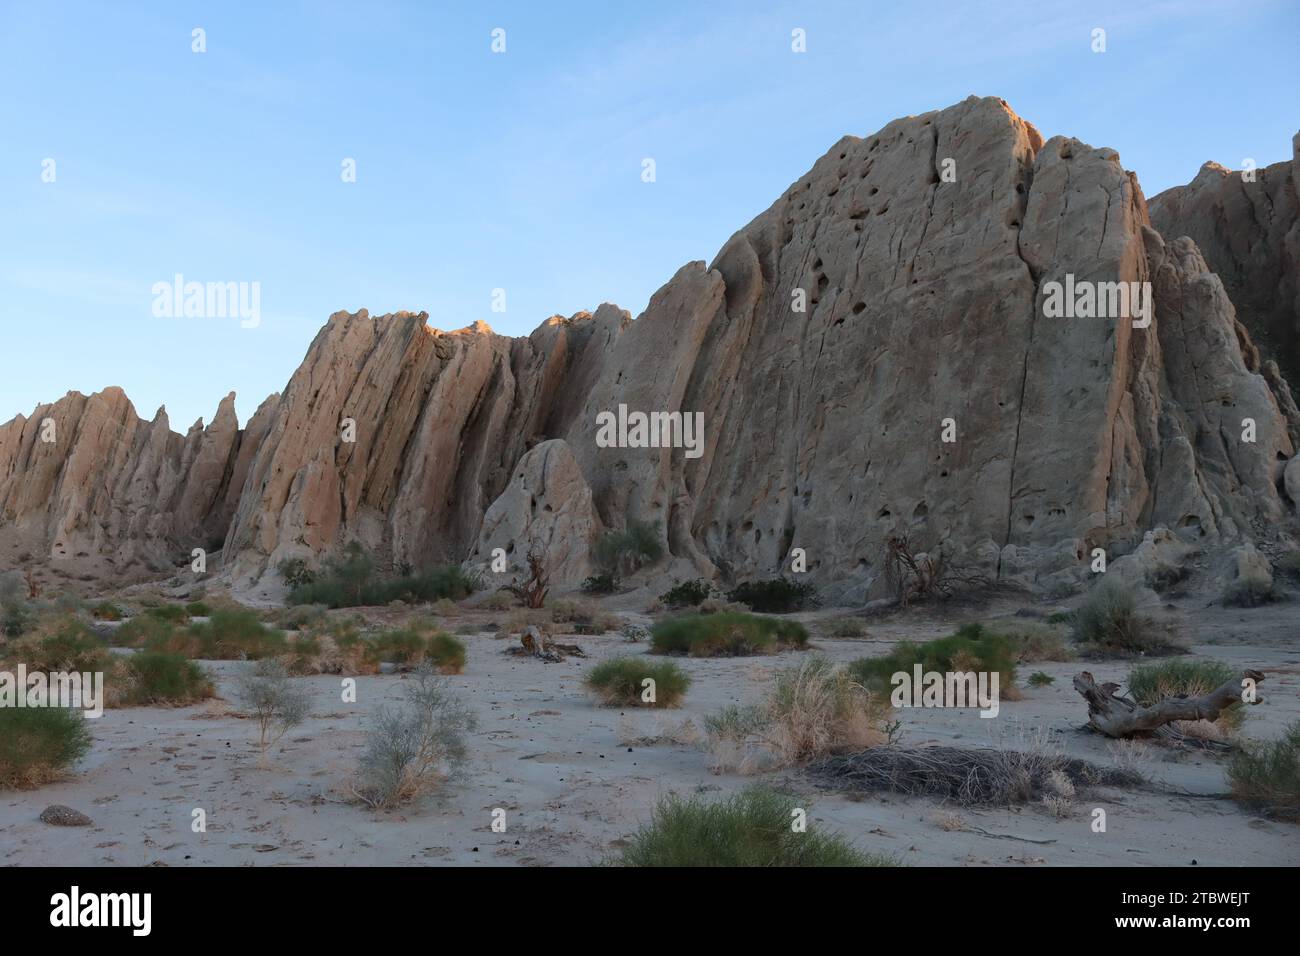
(872, 356)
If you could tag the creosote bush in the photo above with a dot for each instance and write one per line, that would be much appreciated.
(621, 681)
(774, 596)
(972, 648)
(1108, 620)
(752, 828)
(1266, 776)
(40, 744)
(411, 749)
(726, 635)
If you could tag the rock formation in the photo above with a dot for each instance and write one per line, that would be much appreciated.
(882, 351)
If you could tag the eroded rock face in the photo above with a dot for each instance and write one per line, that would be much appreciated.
(874, 355)
(1249, 233)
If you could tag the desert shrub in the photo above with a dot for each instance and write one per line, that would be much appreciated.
(845, 627)
(410, 646)
(233, 634)
(620, 553)
(1039, 679)
(1032, 643)
(971, 648)
(168, 612)
(410, 750)
(272, 698)
(618, 681)
(774, 596)
(498, 601)
(1167, 577)
(351, 579)
(14, 618)
(295, 572)
(634, 633)
(157, 678)
(334, 647)
(811, 710)
(198, 609)
(914, 575)
(298, 617)
(1267, 775)
(106, 611)
(1177, 677)
(584, 618)
(601, 584)
(752, 828)
(1250, 592)
(64, 644)
(726, 635)
(1108, 620)
(687, 593)
(153, 633)
(1061, 617)
(39, 744)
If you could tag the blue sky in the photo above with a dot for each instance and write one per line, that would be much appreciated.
(519, 171)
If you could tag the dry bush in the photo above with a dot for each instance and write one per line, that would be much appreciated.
(532, 593)
(585, 618)
(497, 601)
(912, 576)
(813, 709)
(410, 751)
(270, 696)
(844, 627)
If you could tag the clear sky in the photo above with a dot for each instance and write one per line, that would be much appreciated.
(519, 170)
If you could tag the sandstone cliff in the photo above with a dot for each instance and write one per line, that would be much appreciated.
(923, 387)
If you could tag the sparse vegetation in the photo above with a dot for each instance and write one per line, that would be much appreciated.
(273, 700)
(620, 553)
(583, 618)
(845, 627)
(915, 576)
(1250, 592)
(410, 750)
(1108, 621)
(620, 681)
(726, 635)
(687, 593)
(752, 828)
(814, 709)
(601, 584)
(1267, 775)
(353, 580)
(413, 645)
(774, 596)
(40, 744)
(1039, 679)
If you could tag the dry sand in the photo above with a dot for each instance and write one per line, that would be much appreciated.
(573, 788)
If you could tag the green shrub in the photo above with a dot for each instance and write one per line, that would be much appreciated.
(752, 828)
(409, 646)
(726, 635)
(295, 572)
(445, 653)
(145, 630)
(601, 584)
(1039, 679)
(971, 648)
(14, 618)
(106, 611)
(234, 634)
(618, 681)
(351, 580)
(1151, 683)
(157, 678)
(198, 609)
(1109, 620)
(1267, 775)
(70, 646)
(620, 553)
(168, 612)
(845, 627)
(774, 596)
(38, 744)
(688, 593)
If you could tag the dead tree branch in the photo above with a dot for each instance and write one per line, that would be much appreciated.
(1114, 715)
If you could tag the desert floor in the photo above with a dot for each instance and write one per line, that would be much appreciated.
(575, 778)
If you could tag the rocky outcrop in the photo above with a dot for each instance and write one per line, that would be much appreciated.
(1247, 225)
(925, 335)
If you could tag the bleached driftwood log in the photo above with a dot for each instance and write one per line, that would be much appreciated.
(1116, 716)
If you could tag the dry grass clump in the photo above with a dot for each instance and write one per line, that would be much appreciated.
(845, 627)
(1266, 776)
(973, 777)
(497, 601)
(521, 619)
(583, 618)
(813, 709)
(1179, 677)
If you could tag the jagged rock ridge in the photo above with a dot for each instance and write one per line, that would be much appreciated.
(924, 305)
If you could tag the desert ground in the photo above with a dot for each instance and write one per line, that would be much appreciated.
(576, 778)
